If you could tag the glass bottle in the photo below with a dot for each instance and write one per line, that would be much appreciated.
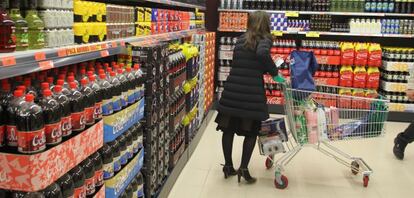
(7, 28)
(22, 36)
(36, 27)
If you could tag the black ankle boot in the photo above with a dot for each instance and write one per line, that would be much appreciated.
(246, 175)
(229, 171)
(399, 147)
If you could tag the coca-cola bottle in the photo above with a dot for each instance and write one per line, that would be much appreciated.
(2, 126)
(78, 177)
(107, 107)
(30, 127)
(66, 185)
(66, 119)
(124, 85)
(89, 99)
(11, 129)
(107, 160)
(116, 153)
(89, 171)
(98, 163)
(116, 92)
(98, 97)
(52, 113)
(53, 191)
(77, 107)
(123, 149)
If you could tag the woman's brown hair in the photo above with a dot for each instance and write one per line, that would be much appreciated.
(258, 27)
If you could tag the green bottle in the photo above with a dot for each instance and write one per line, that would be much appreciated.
(36, 27)
(21, 31)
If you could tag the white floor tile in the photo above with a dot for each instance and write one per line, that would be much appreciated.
(311, 174)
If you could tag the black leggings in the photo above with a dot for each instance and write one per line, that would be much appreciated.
(248, 147)
(408, 135)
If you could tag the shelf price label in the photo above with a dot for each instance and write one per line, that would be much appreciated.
(62, 53)
(292, 14)
(39, 56)
(312, 34)
(114, 44)
(277, 33)
(8, 61)
(104, 53)
(123, 43)
(45, 65)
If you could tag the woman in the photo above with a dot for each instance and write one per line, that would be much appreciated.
(243, 106)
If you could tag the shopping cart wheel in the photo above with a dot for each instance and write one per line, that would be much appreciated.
(355, 167)
(284, 183)
(269, 162)
(366, 180)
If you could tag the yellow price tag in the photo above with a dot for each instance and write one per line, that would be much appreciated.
(312, 34)
(292, 14)
(277, 33)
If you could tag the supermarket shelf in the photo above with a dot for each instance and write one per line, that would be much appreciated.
(317, 34)
(176, 3)
(25, 62)
(392, 116)
(172, 178)
(293, 13)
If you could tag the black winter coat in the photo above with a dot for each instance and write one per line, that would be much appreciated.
(244, 94)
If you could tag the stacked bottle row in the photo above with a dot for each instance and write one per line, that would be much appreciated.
(383, 26)
(155, 63)
(64, 102)
(390, 6)
(84, 180)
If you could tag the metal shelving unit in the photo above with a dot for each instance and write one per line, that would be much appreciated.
(373, 14)
(25, 62)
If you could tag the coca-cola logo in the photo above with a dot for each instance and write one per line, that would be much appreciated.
(38, 140)
(56, 133)
(66, 125)
(82, 120)
(360, 77)
(12, 136)
(346, 76)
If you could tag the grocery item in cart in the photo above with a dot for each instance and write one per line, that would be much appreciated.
(312, 125)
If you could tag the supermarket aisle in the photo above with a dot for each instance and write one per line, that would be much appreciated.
(310, 174)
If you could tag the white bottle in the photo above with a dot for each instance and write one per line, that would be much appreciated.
(352, 26)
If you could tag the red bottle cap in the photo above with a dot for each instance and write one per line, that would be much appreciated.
(84, 81)
(92, 78)
(128, 69)
(90, 73)
(72, 85)
(101, 71)
(29, 98)
(112, 74)
(18, 93)
(57, 88)
(50, 80)
(121, 65)
(62, 76)
(71, 74)
(136, 66)
(83, 71)
(120, 71)
(47, 93)
(71, 78)
(21, 87)
(27, 83)
(60, 82)
(102, 76)
(45, 85)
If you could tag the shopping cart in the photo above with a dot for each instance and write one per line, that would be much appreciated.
(317, 118)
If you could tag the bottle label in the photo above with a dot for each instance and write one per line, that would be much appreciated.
(124, 99)
(22, 37)
(80, 192)
(131, 96)
(90, 185)
(124, 157)
(135, 147)
(117, 164)
(2, 130)
(130, 151)
(391, 7)
(107, 107)
(140, 190)
(66, 126)
(31, 141)
(78, 121)
(98, 111)
(89, 115)
(108, 170)
(53, 133)
(99, 178)
(11, 135)
(116, 103)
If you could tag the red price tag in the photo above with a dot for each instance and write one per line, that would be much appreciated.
(104, 53)
(62, 53)
(123, 43)
(39, 56)
(8, 61)
(114, 44)
(104, 46)
(45, 65)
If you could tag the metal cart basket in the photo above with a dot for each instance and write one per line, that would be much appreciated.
(316, 118)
